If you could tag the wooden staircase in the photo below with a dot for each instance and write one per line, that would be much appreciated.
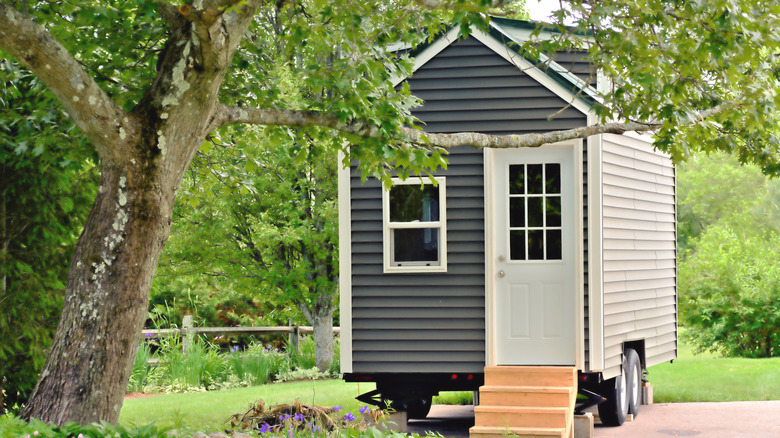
(525, 402)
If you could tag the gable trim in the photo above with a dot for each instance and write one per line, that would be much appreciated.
(515, 59)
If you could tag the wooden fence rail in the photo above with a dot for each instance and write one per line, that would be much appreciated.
(188, 330)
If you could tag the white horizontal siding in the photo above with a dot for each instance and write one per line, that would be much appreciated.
(639, 251)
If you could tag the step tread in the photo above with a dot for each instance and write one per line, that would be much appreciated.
(517, 430)
(548, 389)
(521, 409)
(530, 369)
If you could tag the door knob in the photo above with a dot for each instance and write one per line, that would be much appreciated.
(501, 274)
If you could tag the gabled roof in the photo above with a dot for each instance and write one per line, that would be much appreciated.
(506, 37)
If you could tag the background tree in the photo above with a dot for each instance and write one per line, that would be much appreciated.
(266, 218)
(47, 180)
(702, 75)
(728, 275)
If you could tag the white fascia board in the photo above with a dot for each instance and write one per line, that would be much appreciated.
(345, 264)
(521, 36)
(531, 70)
(431, 51)
(571, 77)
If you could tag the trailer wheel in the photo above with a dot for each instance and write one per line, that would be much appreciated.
(613, 410)
(634, 381)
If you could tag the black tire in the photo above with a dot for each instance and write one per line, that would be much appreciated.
(613, 410)
(634, 381)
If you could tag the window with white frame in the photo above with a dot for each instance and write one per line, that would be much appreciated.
(415, 226)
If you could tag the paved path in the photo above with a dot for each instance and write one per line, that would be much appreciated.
(710, 420)
(703, 420)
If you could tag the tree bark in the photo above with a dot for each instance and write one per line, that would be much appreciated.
(105, 306)
(323, 340)
(144, 155)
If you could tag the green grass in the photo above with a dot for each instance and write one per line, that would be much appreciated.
(454, 398)
(709, 378)
(207, 411)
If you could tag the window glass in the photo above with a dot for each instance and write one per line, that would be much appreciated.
(409, 203)
(416, 244)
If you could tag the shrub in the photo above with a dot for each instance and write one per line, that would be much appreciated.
(141, 369)
(14, 427)
(257, 365)
(730, 292)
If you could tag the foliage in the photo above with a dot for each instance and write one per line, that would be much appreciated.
(14, 427)
(204, 367)
(730, 291)
(728, 276)
(47, 181)
(705, 73)
(715, 187)
(306, 357)
(454, 398)
(212, 301)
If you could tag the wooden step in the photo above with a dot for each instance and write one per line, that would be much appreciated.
(525, 396)
(512, 416)
(516, 432)
(530, 376)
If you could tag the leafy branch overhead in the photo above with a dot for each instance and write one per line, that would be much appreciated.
(702, 76)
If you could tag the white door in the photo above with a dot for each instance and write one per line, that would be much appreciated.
(533, 257)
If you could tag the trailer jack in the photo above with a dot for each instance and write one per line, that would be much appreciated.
(593, 400)
(373, 398)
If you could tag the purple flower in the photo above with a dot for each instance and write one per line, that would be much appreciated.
(234, 349)
(298, 417)
(148, 335)
(316, 429)
(265, 428)
(364, 410)
(284, 417)
(349, 417)
(337, 408)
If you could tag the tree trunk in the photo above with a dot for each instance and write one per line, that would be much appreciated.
(323, 339)
(92, 354)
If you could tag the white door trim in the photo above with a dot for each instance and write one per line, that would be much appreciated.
(490, 257)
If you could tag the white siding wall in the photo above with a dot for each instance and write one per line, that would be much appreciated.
(639, 248)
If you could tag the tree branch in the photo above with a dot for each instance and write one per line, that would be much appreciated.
(231, 115)
(104, 123)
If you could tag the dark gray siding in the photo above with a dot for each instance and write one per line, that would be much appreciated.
(428, 322)
(435, 322)
(576, 61)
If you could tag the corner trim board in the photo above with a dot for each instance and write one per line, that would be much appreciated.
(345, 263)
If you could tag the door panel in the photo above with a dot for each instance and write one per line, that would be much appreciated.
(534, 256)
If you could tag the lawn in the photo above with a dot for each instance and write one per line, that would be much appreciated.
(708, 378)
(208, 411)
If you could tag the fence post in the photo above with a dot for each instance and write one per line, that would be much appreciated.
(186, 331)
(295, 338)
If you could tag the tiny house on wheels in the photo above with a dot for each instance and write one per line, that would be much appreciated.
(528, 274)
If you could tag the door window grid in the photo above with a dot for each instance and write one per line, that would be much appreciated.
(535, 231)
